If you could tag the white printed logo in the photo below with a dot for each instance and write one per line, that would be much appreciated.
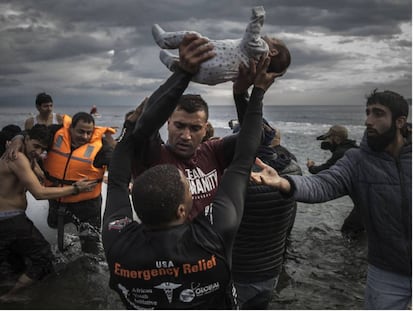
(168, 288)
(200, 183)
(196, 290)
(187, 295)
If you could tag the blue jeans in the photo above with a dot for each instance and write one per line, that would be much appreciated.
(255, 295)
(387, 290)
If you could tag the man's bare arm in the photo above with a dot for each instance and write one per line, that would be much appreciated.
(22, 169)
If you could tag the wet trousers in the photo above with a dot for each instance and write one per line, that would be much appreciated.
(86, 215)
(255, 295)
(386, 290)
(22, 244)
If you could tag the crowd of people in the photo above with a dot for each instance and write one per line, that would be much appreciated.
(214, 213)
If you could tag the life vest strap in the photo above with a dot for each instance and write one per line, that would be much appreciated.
(57, 181)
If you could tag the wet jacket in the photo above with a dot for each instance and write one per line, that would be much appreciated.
(336, 155)
(381, 186)
(259, 248)
(65, 166)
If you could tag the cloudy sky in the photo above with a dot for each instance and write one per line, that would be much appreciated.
(102, 52)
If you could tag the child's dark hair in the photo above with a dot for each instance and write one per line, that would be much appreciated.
(41, 133)
(281, 61)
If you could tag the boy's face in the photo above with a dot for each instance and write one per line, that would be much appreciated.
(33, 148)
(45, 108)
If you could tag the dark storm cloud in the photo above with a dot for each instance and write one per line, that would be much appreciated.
(109, 44)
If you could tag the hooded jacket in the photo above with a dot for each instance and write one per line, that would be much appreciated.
(381, 185)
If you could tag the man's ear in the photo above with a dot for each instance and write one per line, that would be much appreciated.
(181, 212)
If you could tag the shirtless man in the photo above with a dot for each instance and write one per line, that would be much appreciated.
(18, 235)
(46, 116)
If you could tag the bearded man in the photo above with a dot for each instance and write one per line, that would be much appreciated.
(377, 177)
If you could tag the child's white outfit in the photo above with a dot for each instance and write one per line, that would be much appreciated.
(224, 66)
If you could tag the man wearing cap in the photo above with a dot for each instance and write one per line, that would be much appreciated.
(378, 177)
(336, 141)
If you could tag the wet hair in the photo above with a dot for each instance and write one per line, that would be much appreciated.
(42, 98)
(11, 130)
(41, 133)
(192, 103)
(6, 134)
(394, 101)
(84, 116)
(157, 193)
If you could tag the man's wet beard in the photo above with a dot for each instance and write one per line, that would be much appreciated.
(379, 142)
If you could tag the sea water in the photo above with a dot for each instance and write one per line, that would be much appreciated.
(322, 270)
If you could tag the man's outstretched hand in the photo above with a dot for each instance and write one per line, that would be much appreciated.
(269, 177)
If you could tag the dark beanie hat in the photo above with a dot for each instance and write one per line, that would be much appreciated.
(42, 98)
(394, 101)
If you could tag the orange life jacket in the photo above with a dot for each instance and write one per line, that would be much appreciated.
(64, 166)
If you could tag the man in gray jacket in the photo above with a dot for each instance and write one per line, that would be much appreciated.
(378, 178)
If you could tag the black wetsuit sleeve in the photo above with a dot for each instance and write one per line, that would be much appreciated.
(104, 156)
(161, 104)
(331, 161)
(228, 204)
(315, 169)
(156, 112)
(118, 204)
(241, 100)
(229, 142)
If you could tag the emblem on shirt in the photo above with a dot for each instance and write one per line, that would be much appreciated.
(119, 224)
(168, 288)
(201, 183)
(197, 290)
(187, 295)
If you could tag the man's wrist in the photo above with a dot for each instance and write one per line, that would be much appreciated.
(181, 69)
(76, 189)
